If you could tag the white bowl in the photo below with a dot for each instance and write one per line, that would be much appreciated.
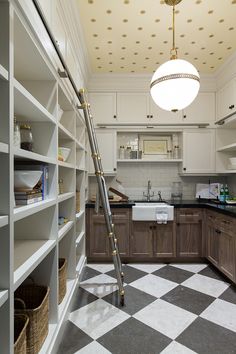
(64, 152)
(232, 160)
(26, 179)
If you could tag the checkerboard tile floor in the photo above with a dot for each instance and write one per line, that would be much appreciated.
(169, 309)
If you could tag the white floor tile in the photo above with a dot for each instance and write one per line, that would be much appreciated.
(98, 318)
(165, 318)
(195, 268)
(177, 348)
(93, 348)
(222, 313)
(206, 285)
(154, 285)
(148, 268)
(101, 285)
(103, 268)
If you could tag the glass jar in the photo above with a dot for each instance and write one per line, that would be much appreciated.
(17, 139)
(26, 137)
(122, 152)
(127, 152)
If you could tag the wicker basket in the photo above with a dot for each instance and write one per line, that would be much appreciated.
(62, 279)
(20, 324)
(33, 301)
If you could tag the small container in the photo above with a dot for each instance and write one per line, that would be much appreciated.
(17, 139)
(127, 152)
(26, 137)
(134, 154)
(60, 186)
(169, 154)
(176, 152)
(122, 152)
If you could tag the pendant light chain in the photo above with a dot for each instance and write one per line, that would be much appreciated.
(173, 51)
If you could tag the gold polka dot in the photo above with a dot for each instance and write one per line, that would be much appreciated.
(98, 58)
(122, 67)
(96, 48)
(211, 53)
(203, 48)
(140, 28)
(204, 63)
(182, 35)
(110, 62)
(221, 20)
(137, 42)
(136, 53)
(109, 28)
(90, 1)
(142, 12)
(229, 48)
(149, 48)
(186, 53)
(146, 58)
(210, 12)
(170, 28)
(109, 11)
(198, 2)
(212, 67)
(195, 58)
(220, 42)
(233, 2)
(161, 53)
(211, 35)
(157, 63)
(189, 20)
(122, 58)
(93, 20)
(201, 28)
(165, 42)
(109, 42)
(134, 63)
(162, 2)
(99, 67)
(144, 67)
(193, 42)
(110, 53)
(157, 20)
(95, 35)
(123, 48)
(124, 35)
(153, 35)
(126, 2)
(125, 20)
(132, 71)
(111, 71)
(176, 12)
(231, 28)
(220, 58)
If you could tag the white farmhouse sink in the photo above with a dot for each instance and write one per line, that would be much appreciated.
(150, 211)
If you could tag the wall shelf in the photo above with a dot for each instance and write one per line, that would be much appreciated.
(27, 255)
(64, 229)
(80, 214)
(149, 160)
(70, 285)
(4, 148)
(3, 220)
(21, 212)
(63, 133)
(80, 237)
(65, 164)
(3, 296)
(80, 265)
(227, 148)
(24, 154)
(65, 196)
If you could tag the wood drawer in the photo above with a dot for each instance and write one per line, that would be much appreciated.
(189, 216)
(227, 224)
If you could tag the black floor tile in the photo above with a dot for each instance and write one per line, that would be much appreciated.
(89, 273)
(211, 272)
(135, 300)
(131, 274)
(82, 298)
(173, 274)
(73, 339)
(134, 337)
(188, 299)
(205, 337)
(229, 294)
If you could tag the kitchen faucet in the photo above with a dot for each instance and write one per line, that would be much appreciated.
(148, 194)
(159, 195)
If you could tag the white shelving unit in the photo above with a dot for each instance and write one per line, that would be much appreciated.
(149, 160)
(225, 147)
(31, 240)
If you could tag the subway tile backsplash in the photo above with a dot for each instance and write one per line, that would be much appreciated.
(135, 176)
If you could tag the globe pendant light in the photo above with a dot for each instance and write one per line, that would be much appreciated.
(175, 84)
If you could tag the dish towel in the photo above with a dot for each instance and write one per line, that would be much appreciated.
(161, 217)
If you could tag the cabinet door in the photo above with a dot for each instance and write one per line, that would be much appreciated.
(158, 115)
(199, 151)
(226, 99)
(98, 237)
(132, 108)
(212, 244)
(141, 239)
(121, 221)
(227, 254)
(164, 244)
(107, 148)
(202, 110)
(189, 240)
(103, 107)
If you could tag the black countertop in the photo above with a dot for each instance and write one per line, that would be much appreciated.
(222, 208)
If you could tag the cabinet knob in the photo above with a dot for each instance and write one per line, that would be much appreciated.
(177, 223)
(184, 116)
(184, 168)
(114, 169)
(151, 116)
(114, 116)
(231, 106)
(148, 116)
(150, 227)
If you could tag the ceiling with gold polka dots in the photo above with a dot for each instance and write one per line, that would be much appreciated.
(135, 36)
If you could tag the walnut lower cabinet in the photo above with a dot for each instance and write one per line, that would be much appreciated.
(98, 246)
(189, 232)
(148, 239)
(221, 242)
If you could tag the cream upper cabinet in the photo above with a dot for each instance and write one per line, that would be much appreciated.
(158, 115)
(226, 99)
(106, 140)
(198, 151)
(201, 110)
(103, 107)
(132, 107)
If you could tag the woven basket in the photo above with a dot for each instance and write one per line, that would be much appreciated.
(33, 301)
(20, 324)
(62, 279)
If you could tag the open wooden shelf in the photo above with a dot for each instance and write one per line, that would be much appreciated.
(27, 255)
(65, 196)
(29, 155)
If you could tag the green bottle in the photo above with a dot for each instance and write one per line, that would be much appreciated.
(226, 192)
(222, 194)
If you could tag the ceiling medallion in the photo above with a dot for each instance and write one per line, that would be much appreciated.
(175, 84)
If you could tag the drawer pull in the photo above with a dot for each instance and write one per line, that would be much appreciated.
(227, 222)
